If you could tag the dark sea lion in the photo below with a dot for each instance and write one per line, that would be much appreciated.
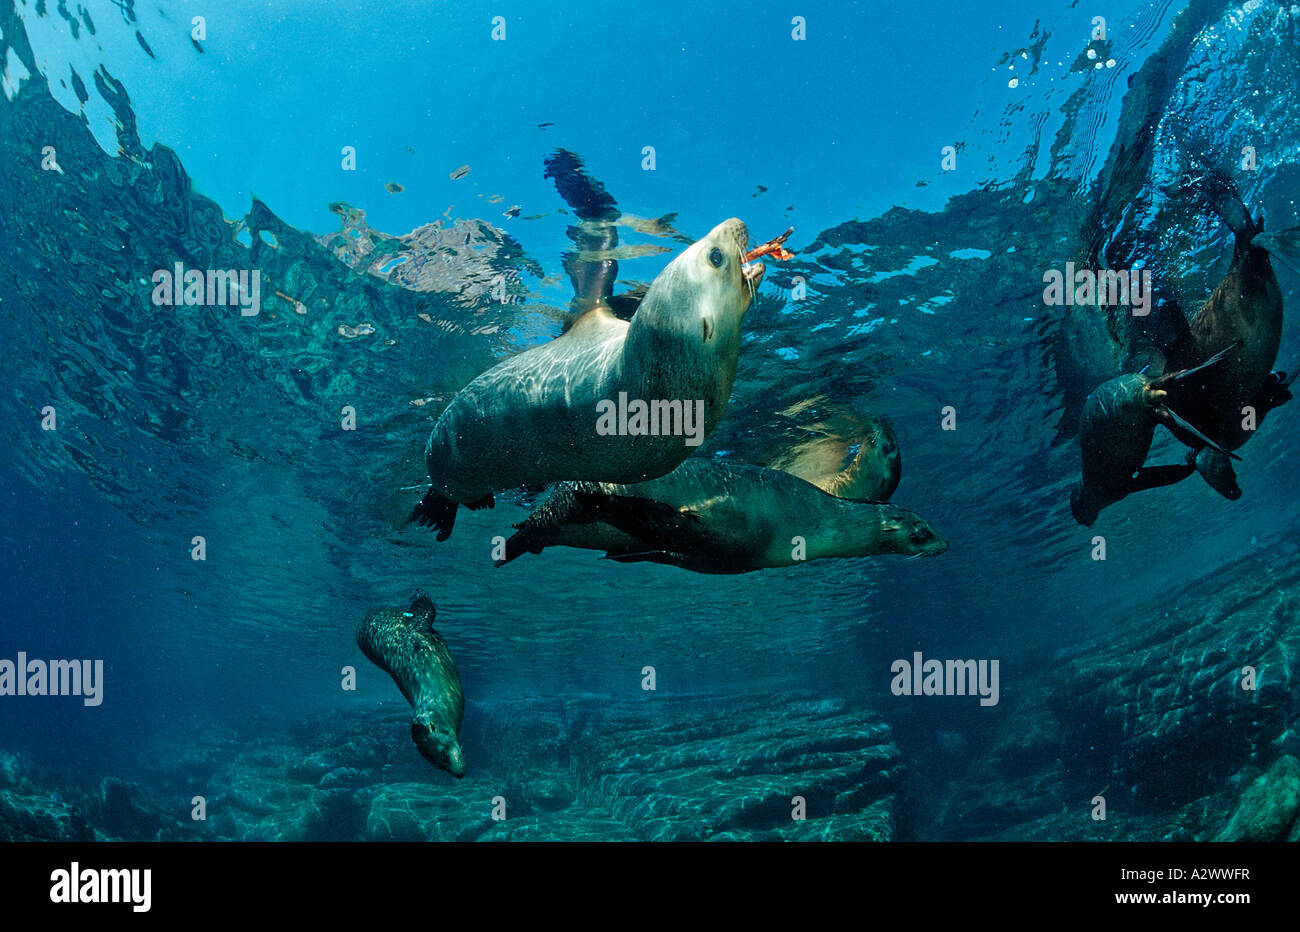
(405, 645)
(1115, 433)
(532, 419)
(1244, 316)
(711, 516)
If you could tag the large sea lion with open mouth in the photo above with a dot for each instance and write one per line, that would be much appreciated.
(711, 516)
(405, 645)
(532, 419)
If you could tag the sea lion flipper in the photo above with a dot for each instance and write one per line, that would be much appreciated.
(487, 501)
(1283, 246)
(1187, 426)
(647, 556)
(1165, 380)
(435, 511)
(1216, 470)
(517, 545)
(1154, 477)
(643, 518)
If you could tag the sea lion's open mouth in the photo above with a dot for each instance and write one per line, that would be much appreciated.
(752, 273)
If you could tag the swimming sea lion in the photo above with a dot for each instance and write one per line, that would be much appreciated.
(405, 645)
(1119, 421)
(872, 474)
(1244, 316)
(532, 419)
(711, 516)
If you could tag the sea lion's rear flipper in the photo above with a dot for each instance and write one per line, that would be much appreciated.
(1154, 477)
(436, 511)
(1274, 393)
(421, 604)
(516, 545)
(1217, 189)
(1216, 470)
(1283, 246)
(642, 518)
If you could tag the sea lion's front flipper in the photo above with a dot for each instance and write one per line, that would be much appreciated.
(643, 518)
(1154, 477)
(666, 557)
(1165, 411)
(487, 501)
(1283, 246)
(436, 511)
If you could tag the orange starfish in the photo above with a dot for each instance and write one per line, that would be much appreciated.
(772, 248)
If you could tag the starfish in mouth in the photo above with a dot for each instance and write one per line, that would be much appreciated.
(772, 248)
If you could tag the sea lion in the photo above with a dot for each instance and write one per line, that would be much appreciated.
(405, 645)
(1242, 315)
(872, 474)
(532, 419)
(1115, 433)
(711, 516)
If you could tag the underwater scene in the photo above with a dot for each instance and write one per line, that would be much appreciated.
(650, 422)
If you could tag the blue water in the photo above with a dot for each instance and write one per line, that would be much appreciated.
(924, 292)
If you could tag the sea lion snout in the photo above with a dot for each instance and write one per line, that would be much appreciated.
(911, 534)
(732, 231)
(438, 745)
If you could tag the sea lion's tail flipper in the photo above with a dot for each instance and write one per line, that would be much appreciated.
(1154, 477)
(1283, 246)
(421, 604)
(436, 511)
(642, 518)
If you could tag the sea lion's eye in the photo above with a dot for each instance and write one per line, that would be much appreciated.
(715, 257)
(921, 535)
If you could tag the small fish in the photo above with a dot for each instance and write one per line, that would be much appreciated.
(544, 125)
(762, 189)
(512, 211)
(459, 173)
(394, 188)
